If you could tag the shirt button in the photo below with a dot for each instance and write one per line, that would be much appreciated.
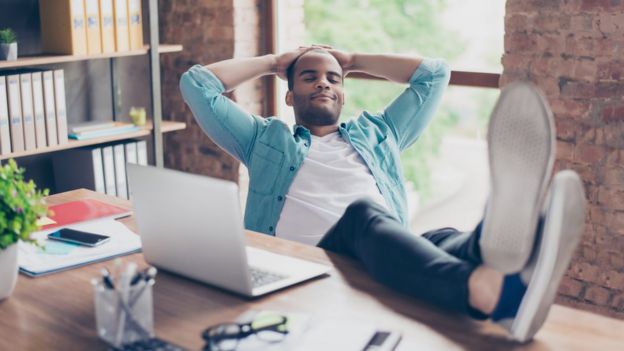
(305, 144)
(292, 168)
(270, 229)
(279, 198)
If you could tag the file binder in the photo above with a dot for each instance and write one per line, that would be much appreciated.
(50, 108)
(142, 152)
(5, 133)
(40, 123)
(61, 107)
(109, 170)
(92, 17)
(15, 113)
(136, 24)
(28, 120)
(131, 157)
(120, 171)
(79, 168)
(107, 26)
(122, 34)
(63, 29)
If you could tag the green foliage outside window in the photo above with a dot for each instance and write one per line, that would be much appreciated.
(381, 26)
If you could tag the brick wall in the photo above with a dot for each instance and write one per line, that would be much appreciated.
(574, 51)
(210, 31)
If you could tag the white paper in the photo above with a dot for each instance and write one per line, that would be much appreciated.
(64, 255)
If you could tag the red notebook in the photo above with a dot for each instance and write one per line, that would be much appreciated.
(83, 210)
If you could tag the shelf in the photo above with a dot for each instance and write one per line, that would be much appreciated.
(47, 59)
(166, 126)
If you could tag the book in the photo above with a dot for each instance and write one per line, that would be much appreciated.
(85, 210)
(38, 109)
(120, 171)
(92, 17)
(28, 120)
(79, 168)
(50, 108)
(122, 34)
(63, 29)
(109, 170)
(89, 126)
(107, 26)
(118, 128)
(136, 24)
(61, 107)
(5, 132)
(53, 256)
(15, 113)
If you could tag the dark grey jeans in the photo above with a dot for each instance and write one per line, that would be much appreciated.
(434, 267)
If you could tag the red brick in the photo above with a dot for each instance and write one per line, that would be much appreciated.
(597, 295)
(612, 279)
(575, 89)
(590, 154)
(617, 302)
(565, 150)
(584, 271)
(570, 287)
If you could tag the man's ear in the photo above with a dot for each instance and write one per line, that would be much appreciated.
(289, 98)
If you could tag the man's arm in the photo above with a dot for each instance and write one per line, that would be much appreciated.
(224, 121)
(408, 115)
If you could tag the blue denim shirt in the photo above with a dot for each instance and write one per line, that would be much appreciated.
(273, 154)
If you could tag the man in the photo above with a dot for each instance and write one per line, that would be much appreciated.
(308, 185)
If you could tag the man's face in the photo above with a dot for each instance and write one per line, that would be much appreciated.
(317, 95)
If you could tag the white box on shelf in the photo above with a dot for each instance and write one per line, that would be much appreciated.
(61, 106)
(50, 108)
(109, 170)
(39, 113)
(5, 132)
(15, 113)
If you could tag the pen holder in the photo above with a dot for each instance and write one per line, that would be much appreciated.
(120, 321)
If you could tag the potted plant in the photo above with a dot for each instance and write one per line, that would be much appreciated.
(21, 205)
(8, 44)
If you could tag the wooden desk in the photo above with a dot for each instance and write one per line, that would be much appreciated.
(56, 312)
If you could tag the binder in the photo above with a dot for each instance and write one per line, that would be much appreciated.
(120, 171)
(131, 157)
(109, 170)
(79, 168)
(136, 24)
(131, 152)
(122, 34)
(28, 120)
(15, 113)
(92, 17)
(40, 123)
(142, 152)
(61, 107)
(5, 133)
(63, 29)
(50, 108)
(107, 26)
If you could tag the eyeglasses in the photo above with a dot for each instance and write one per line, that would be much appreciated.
(225, 337)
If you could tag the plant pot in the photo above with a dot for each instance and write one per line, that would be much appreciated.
(8, 270)
(8, 52)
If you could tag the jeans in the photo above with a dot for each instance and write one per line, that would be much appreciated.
(434, 267)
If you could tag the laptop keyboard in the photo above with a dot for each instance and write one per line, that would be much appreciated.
(260, 277)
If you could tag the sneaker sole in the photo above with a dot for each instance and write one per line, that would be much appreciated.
(521, 144)
(563, 228)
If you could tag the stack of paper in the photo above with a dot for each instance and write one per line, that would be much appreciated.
(55, 256)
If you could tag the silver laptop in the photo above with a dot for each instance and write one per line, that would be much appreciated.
(191, 225)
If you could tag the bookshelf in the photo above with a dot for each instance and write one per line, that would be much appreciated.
(25, 18)
(167, 126)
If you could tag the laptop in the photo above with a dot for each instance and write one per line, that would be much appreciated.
(191, 225)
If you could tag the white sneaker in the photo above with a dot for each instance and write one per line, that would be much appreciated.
(526, 297)
(521, 143)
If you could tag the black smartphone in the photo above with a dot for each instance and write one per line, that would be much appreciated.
(78, 237)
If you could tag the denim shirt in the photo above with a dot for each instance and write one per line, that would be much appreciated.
(273, 154)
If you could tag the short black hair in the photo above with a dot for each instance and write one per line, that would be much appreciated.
(290, 71)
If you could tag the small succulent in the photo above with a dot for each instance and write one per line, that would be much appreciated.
(7, 36)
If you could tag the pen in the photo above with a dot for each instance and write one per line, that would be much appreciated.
(106, 279)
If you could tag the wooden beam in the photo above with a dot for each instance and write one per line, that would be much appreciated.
(469, 79)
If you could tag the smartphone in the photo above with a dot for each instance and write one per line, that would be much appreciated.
(78, 237)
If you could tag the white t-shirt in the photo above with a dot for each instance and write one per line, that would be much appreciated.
(332, 176)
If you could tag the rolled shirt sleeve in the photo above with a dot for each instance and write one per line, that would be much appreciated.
(408, 115)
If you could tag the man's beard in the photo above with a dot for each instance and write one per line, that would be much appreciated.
(314, 116)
